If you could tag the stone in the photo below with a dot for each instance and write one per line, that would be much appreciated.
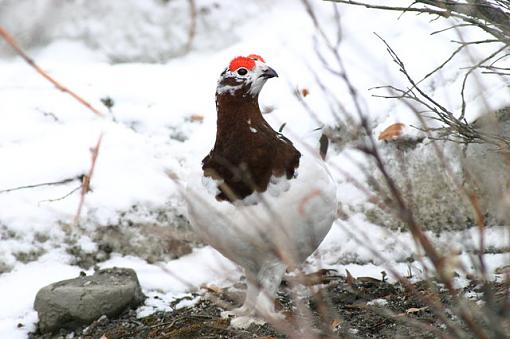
(438, 196)
(488, 169)
(150, 242)
(426, 187)
(74, 302)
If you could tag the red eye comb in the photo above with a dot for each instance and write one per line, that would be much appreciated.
(256, 57)
(240, 61)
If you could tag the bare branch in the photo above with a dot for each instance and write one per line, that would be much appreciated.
(60, 182)
(85, 187)
(12, 42)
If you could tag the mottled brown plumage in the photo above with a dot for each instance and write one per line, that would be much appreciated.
(247, 151)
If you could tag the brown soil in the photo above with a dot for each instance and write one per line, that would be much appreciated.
(342, 308)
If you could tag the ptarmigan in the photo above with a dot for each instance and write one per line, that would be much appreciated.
(260, 201)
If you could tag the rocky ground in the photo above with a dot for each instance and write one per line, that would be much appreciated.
(356, 307)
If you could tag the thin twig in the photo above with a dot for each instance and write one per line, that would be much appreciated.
(12, 42)
(62, 197)
(65, 181)
(85, 187)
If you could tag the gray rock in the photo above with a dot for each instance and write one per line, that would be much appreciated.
(427, 188)
(150, 242)
(487, 169)
(436, 196)
(74, 302)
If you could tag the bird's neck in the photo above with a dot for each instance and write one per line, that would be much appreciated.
(247, 152)
(236, 114)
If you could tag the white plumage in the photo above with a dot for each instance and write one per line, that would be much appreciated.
(266, 232)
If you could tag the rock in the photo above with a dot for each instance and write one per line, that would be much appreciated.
(74, 302)
(153, 234)
(150, 242)
(426, 187)
(437, 196)
(488, 169)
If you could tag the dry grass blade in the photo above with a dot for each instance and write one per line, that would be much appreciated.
(9, 39)
(85, 186)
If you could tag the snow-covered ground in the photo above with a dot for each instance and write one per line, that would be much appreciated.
(163, 282)
(163, 120)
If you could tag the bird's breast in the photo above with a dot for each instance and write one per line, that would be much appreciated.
(295, 213)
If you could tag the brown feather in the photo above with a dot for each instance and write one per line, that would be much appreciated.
(243, 159)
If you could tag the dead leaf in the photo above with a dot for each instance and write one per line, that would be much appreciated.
(335, 324)
(412, 310)
(305, 92)
(322, 276)
(213, 289)
(368, 280)
(349, 279)
(502, 269)
(85, 184)
(392, 132)
(197, 118)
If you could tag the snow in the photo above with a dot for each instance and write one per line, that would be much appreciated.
(176, 279)
(166, 282)
(189, 272)
(378, 302)
(19, 287)
(46, 136)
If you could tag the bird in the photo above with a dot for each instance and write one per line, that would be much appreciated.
(263, 201)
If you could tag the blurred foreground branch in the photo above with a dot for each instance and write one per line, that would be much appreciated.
(473, 322)
(9, 39)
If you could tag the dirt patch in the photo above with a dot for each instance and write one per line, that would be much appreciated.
(340, 307)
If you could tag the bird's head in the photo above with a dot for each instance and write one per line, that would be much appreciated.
(245, 76)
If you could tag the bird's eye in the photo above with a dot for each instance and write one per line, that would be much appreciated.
(242, 71)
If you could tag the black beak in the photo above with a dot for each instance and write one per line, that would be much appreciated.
(269, 73)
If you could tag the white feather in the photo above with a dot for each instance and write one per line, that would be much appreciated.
(295, 215)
